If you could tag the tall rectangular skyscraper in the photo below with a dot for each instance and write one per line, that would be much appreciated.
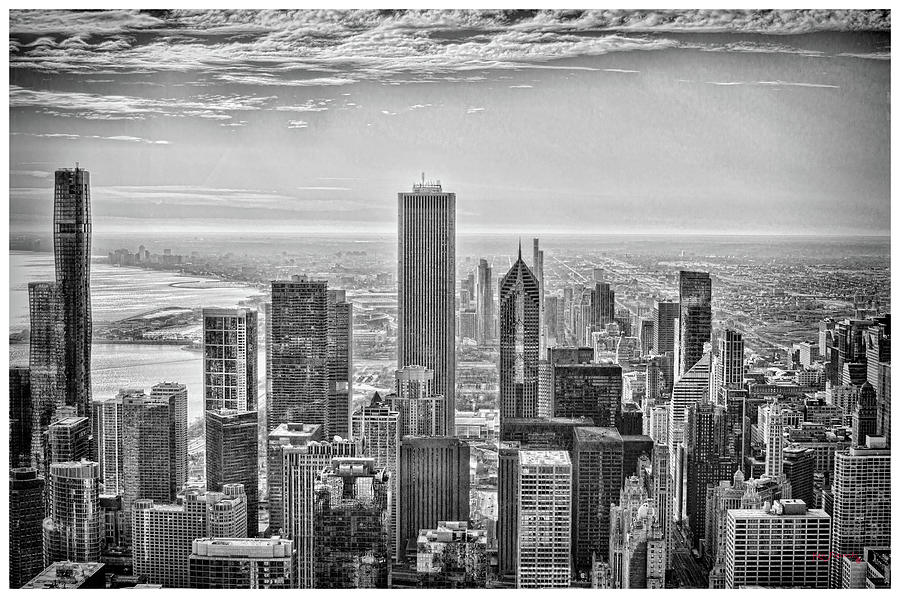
(72, 253)
(729, 367)
(340, 363)
(297, 353)
(588, 390)
(72, 531)
(285, 435)
(484, 303)
(603, 305)
(45, 362)
(109, 437)
(20, 418)
(664, 315)
(230, 377)
(426, 287)
(421, 413)
(26, 516)
(694, 319)
(232, 457)
(520, 307)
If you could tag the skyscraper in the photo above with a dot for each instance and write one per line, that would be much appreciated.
(26, 516)
(603, 305)
(861, 514)
(775, 423)
(537, 268)
(109, 437)
(72, 252)
(297, 353)
(243, 563)
(232, 457)
(20, 418)
(544, 519)
(728, 372)
(434, 485)
(694, 318)
(484, 304)
(72, 531)
(45, 362)
(664, 315)
(865, 415)
(426, 287)
(352, 543)
(707, 461)
(340, 363)
(230, 376)
(799, 467)
(421, 413)
(70, 439)
(588, 390)
(691, 388)
(637, 546)
(519, 342)
(284, 435)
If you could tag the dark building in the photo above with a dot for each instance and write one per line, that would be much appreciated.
(508, 507)
(115, 545)
(633, 446)
(603, 305)
(588, 390)
(520, 334)
(72, 252)
(707, 463)
(631, 420)
(297, 353)
(434, 484)
(340, 363)
(865, 415)
(597, 458)
(69, 575)
(45, 363)
(70, 439)
(350, 532)
(426, 287)
(243, 563)
(26, 514)
(664, 315)
(232, 457)
(694, 317)
(799, 466)
(554, 433)
(20, 418)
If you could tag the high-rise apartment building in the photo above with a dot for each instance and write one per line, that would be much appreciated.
(297, 353)
(352, 543)
(597, 457)
(243, 564)
(109, 437)
(777, 547)
(163, 534)
(421, 412)
(484, 304)
(72, 531)
(154, 443)
(26, 516)
(520, 319)
(433, 486)
(694, 318)
(340, 363)
(588, 390)
(46, 362)
(861, 514)
(544, 519)
(232, 457)
(426, 287)
(72, 253)
(230, 378)
(290, 434)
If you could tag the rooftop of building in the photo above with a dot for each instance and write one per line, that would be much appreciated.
(69, 421)
(786, 508)
(597, 434)
(295, 430)
(551, 421)
(535, 457)
(63, 575)
(274, 547)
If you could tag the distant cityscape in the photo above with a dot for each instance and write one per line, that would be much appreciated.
(528, 417)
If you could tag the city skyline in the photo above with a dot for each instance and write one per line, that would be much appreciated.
(726, 89)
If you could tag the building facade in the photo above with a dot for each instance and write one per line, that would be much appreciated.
(230, 369)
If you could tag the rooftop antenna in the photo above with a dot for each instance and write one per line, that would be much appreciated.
(520, 248)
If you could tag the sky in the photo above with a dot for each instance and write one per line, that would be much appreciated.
(745, 122)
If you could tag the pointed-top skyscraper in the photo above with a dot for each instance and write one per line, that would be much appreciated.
(520, 323)
(72, 251)
(426, 287)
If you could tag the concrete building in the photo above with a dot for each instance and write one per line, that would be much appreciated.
(637, 544)
(243, 563)
(287, 434)
(230, 372)
(421, 412)
(426, 287)
(109, 437)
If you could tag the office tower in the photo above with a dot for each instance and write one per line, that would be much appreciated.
(452, 555)
(775, 547)
(351, 538)
(884, 401)
(26, 516)
(659, 424)
(297, 353)
(72, 252)
(603, 305)
(507, 507)
(300, 469)
(232, 457)
(662, 493)
(163, 535)
(664, 315)
(230, 379)
(72, 531)
(520, 307)
(865, 415)
(109, 437)
(737, 494)
(552, 319)
(426, 287)
(70, 439)
(809, 354)
(597, 457)
(68, 575)
(484, 304)
(377, 427)
(434, 485)
(861, 515)
(242, 563)
(707, 462)
(631, 420)
(588, 390)
(547, 367)
(289, 434)
(637, 547)
(544, 519)
(775, 416)
(46, 362)
(20, 417)
(799, 465)
(691, 388)
(647, 334)
(877, 340)
(694, 318)
(556, 433)
(537, 268)
(340, 363)
(154, 443)
(421, 413)
(729, 368)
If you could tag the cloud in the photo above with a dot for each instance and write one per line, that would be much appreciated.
(473, 110)
(297, 124)
(38, 174)
(521, 86)
(769, 83)
(72, 137)
(620, 71)
(324, 189)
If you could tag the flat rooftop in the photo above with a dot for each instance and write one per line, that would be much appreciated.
(532, 457)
